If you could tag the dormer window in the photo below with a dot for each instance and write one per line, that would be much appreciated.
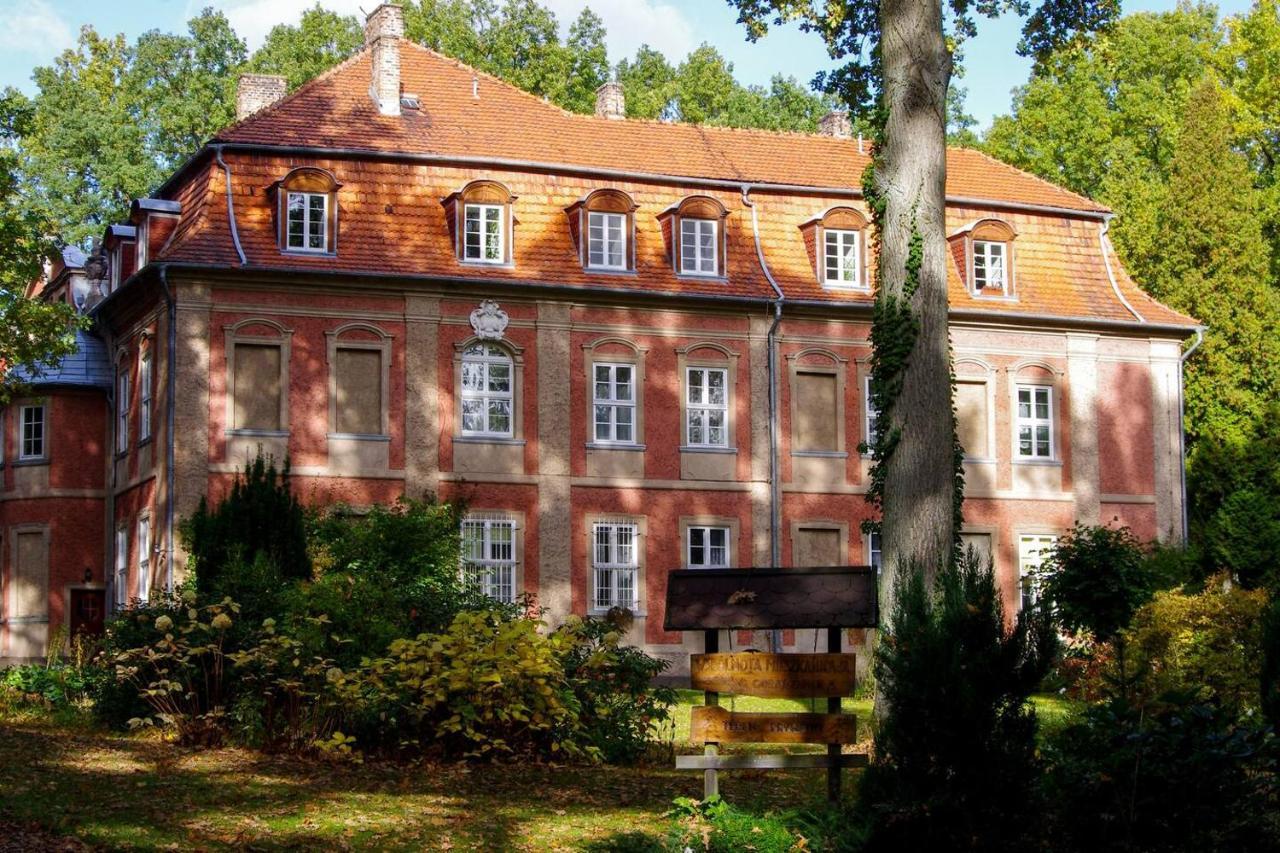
(481, 223)
(984, 252)
(841, 258)
(836, 242)
(603, 227)
(307, 211)
(606, 240)
(695, 234)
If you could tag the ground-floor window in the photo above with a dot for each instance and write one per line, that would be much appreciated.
(120, 585)
(614, 566)
(708, 548)
(1032, 549)
(489, 556)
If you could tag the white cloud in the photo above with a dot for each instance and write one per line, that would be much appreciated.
(34, 27)
(631, 23)
(253, 19)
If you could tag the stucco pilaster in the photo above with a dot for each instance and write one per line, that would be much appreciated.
(554, 413)
(1082, 379)
(758, 411)
(422, 404)
(191, 397)
(1167, 439)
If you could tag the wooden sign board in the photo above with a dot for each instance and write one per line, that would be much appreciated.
(718, 725)
(774, 675)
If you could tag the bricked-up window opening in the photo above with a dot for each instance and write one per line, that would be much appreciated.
(614, 566)
(121, 582)
(144, 557)
(122, 411)
(144, 397)
(1035, 422)
(358, 389)
(33, 430)
(971, 418)
(486, 391)
(307, 224)
(1032, 550)
(817, 410)
(607, 240)
(698, 246)
(482, 234)
(615, 404)
(489, 557)
(989, 266)
(708, 548)
(707, 407)
(841, 260)
(256, 387)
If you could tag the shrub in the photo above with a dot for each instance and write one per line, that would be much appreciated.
(1208, 643)
(1174, 776)
(1269, 681)
(955, 761)
(60, 682)
(717, 827)
(1096, 578)
(117, 701)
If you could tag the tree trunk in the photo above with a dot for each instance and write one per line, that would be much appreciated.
(919, 486)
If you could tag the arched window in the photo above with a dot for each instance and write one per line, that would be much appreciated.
(480, 219)
(603, 226)
(487, 390)
(307, 211)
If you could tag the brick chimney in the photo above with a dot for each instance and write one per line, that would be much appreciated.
(383, 30)
(609, 101)
(257, 92)
(836, 124)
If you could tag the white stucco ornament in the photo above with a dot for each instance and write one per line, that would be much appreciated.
(489, 321)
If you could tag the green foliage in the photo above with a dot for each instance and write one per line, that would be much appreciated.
(61, 682)
(715, 826)
(1180, 776)
(320, 41)
(1096, 578)
(252, 543)
(116, 702)
(1269, 678)
(955, 763)
(1208, 644)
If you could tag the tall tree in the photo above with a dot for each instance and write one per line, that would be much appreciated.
(320, 41)
(648, 83)
(588, 62)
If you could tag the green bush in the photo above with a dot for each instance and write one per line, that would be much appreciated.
(1208, 643)
(62, 681)
(955, 762)
(1096, 578)
(1269, 680)
(117, 701)
(1172, 776)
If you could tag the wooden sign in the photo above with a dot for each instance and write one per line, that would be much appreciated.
(774, 675)
(718, 725)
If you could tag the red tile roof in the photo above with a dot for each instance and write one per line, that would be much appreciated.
(391, 220)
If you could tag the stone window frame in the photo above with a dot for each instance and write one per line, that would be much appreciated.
(818, 524)
(306, 180)
(482, 191)
(146, 393)
(24, 458)
(640, 542)
(10, 587)
(697, 207)
(120, 566)
(383, 346)
(732, 524)
(590, 357)
(841, 218)
(989, 380)
(989, 530)
(686, 358)
(123, 399)
(1051, 378)
(873, 544)
(837, 366)
(283, 338)
(987, 230)
(516, 353)
(144, 555)
(1029, 532)
(517, 521)
(606, 200)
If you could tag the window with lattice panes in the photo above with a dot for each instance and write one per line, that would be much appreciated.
(707, 547)
(1035, 422)
(32, 432)
(487, 395)
(990, 266)
(1032, 550)
(306, 222)
(489, 557)
(707, 407)
(607, 240)
(698, 250)
(841, 257)
(482, 234)
(614, 403)
(614, 565)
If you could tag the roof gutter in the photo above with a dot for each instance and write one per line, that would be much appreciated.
(625, 174)
(1106, 261)
(775, 497)
(231, 205)
(1182, 430)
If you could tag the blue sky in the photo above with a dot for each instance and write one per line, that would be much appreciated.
(36, 31)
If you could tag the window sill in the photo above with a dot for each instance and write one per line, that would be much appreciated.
(703, 276)
(475, 262)
(845, 288)
(602, 612)
(308, 253)
(611, 270)
(487, 439)
(35, 460)
(143, 442)
(1049, 463)
(697, 448)
(980, 460)
(992, 297)
(822, 454)
(259, 433)
(359, 436)
(604, 445)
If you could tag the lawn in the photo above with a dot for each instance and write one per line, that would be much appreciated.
(137, 792)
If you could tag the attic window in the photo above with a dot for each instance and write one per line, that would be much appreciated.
(307, 211)
(410, 102)
(989, 266)
(696, 230)
(480, 220)
(984, 250)
(837, 243)
(603, 226)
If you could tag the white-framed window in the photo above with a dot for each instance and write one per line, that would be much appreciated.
(1035, 422)
(122, 411)
(307, 222)
(707, 547)
(698, 247)
(32, 436)
(144, 557)
(486, 391)
(614, 403)
(872, 414)
(607, 240)
(990, 266)
(614, 566)
(1032, 549)
(120, 584)
(841, 257)
(873, 551)
(144, 397)
(489, 556)
(482, 234)
(707, 407)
